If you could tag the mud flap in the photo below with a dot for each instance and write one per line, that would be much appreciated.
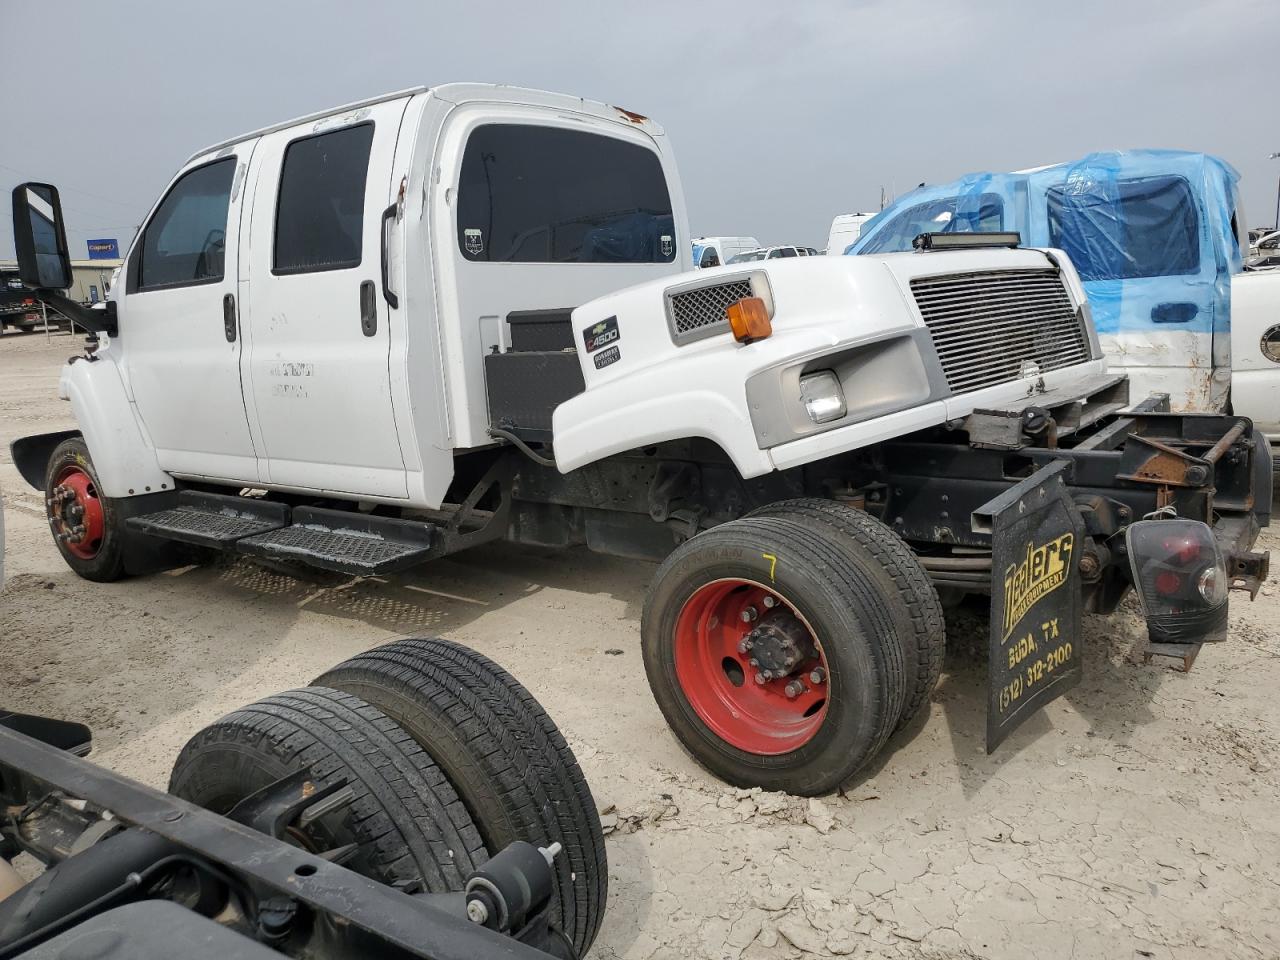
(1035, 647)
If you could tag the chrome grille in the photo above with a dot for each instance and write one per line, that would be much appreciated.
(988, 327)
(700, 312)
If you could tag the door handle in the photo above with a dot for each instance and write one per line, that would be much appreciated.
(392, 300)
(229, 317)
(368, 309)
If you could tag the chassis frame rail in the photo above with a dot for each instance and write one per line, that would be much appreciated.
(396, 923)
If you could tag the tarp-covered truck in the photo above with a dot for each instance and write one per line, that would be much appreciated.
(387, 332)
(1157, 238)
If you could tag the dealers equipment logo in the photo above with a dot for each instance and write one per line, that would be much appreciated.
(1043, 571)
(601, 334)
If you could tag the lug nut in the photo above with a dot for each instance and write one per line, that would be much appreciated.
(770, 601)
(749, 614)
(744, 645)
(817, 675)
(761, 678)
(753, 662)
(794, 689)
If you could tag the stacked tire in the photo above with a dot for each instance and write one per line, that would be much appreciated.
(448, 759)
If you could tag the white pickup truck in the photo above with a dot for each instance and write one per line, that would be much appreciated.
(383, 333)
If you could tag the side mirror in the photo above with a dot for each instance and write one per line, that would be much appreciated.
(40, 238)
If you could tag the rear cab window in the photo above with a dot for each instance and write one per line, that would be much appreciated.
(320, 210)
(1147, 227)
(535, 194)
(184, 241)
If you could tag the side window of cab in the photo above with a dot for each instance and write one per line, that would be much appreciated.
(185, 241)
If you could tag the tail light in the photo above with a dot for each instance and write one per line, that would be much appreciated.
(1181, 579)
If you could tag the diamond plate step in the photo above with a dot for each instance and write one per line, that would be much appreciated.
(212, 520)
(346, 542)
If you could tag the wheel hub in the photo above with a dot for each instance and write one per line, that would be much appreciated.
(778, 644)
(75, 513)
(746, 661)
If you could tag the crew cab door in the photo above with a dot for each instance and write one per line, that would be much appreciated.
(316, 365)
(180, 323)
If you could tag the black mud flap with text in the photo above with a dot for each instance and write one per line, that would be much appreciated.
(1035, 647)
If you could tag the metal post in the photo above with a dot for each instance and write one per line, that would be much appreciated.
(1276, 156)
(44, 312)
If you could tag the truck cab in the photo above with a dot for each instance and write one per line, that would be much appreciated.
(281, 313)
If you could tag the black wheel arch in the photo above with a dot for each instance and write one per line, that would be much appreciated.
(31, 454)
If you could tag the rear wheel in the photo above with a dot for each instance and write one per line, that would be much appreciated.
(773, 655)
(409, 827)
(905, 584)
(84, 523)
(503, 754)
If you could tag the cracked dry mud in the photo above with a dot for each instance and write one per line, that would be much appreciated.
(1138, 816)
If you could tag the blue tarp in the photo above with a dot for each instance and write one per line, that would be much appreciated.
(1151, 232)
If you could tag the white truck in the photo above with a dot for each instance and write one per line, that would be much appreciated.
(717, 251)
(380, 334)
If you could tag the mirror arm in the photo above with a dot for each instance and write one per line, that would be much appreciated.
(95, 321)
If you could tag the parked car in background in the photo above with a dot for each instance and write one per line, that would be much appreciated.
(844, 231)
(766, 253)
(716, 251)
(18, 308)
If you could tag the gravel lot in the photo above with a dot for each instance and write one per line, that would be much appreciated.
(1137, 817)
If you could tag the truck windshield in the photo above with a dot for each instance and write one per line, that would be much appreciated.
(534, 194)
(1145, 227)
(966, 214)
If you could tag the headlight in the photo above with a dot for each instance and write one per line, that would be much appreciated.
(822, 396)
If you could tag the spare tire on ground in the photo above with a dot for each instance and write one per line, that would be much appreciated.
(410, 828)
(509, 763)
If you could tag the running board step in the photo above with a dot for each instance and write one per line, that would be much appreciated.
(212, 519)
(347, 542)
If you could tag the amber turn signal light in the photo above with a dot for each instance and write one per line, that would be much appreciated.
(749, 319)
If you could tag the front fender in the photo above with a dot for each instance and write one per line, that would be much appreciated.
(644, 410)
(122, 453)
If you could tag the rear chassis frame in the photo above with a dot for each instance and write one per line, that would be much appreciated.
(55, 801)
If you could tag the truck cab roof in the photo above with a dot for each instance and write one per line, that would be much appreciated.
(457, 93)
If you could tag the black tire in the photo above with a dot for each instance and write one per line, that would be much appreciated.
(509, 763)
(107, 562)
(413, 831)
(917, 610)
(844, 607)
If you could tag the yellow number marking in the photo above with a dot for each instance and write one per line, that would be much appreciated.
(773, 563)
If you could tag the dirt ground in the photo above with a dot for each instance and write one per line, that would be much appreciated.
(1139, 816)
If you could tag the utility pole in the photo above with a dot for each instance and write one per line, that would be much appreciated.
(1276, 156)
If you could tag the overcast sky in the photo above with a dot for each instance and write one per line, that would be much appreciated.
(782, 114)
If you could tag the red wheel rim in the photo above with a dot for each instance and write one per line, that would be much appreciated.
(718, 680)
(75, 513)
